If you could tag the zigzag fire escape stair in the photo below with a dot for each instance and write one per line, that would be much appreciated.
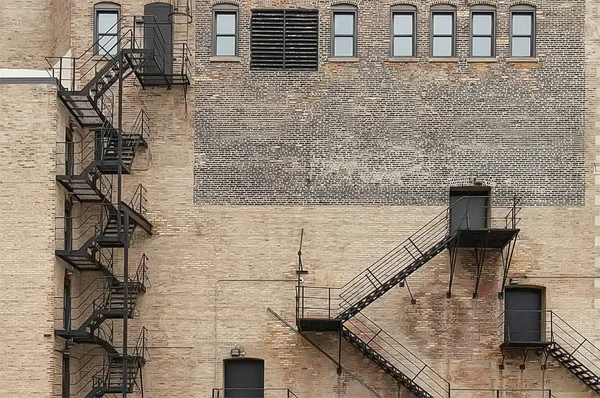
(392, 269)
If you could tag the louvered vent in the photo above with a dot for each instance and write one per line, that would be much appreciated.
(285, 39)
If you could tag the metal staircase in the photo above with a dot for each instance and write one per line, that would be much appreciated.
(110, 379)
(394, 358)
(96, 304)
(339, 309)
(557, 339)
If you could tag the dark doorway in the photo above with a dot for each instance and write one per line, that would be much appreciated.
(469, 208)
(68, 227)
(66, 375)
(244, 377)
(69, 153)
(158, 36)
(523, 315)
(67, 303)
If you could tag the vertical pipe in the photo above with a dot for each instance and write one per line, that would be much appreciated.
(339, 370)
(329, 303)
(122, 233)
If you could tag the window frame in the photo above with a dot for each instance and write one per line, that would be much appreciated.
(344, 9)
(522, 9)
(403, 9)
(106, 7)
(484, 10)
(226, 9)
(442, 9)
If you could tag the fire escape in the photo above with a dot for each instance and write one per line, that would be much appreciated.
(471, 223)
(91, 170)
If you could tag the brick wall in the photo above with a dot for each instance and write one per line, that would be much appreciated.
(26, 29)
(27, 194)
(373, 131)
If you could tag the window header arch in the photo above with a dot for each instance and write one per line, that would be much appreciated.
(403, 8)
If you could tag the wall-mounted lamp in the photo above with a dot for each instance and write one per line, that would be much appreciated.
(238, 351)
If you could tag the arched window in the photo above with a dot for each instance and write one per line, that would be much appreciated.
(106, 28)
(522, 31)
(483, 31)
(443, 30)
(343, 31)
(225, 30)
(404, 31)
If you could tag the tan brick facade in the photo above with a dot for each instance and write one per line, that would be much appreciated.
(215, 270)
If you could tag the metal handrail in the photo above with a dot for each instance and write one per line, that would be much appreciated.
(502, 392)
(398, 355)
(403, 255)
(138, 200)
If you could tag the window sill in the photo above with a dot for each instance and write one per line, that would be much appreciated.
(221, 58)
(343, 59)
(443, 59)
(533, 60)
(403, 59)
(483, 60)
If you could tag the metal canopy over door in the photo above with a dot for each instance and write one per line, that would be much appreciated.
(158, 37)
(244, 377)
(523, 315)
(469, 209)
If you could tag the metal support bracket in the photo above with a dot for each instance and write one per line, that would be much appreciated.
(413, 300)
(479, 260)
(453, 252)
(507, 254)
(522, 366)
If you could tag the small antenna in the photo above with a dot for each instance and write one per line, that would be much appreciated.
(301, 270)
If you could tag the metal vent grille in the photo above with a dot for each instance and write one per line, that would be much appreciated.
(285, 39)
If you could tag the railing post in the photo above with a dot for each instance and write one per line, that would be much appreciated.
(329, 303)
(514, 212)
(73, 74)
(551, 326)
(302, 301)
(497, 393)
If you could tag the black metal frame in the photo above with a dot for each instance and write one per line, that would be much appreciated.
(110, 154)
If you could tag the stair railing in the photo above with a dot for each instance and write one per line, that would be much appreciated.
(318, 302)
(88, 299)
(138, 200)
(398, 355)
(141, 274)
(86, 65)
(425, 241)
(574, 343)
(141, 126)
(552, 329)
(501, 393)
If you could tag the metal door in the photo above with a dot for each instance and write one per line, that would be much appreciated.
(523, 315)
(244, 378)
(69, 153)
(68, 227)
(468, 211)
(158, 36)
(67, 304)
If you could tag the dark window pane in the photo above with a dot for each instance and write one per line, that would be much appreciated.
(482, 24)
(344, 24)
(522, 24)
(403, 24)
(482, 47)
(442, 46)
(521, 47)
(442, 24)
(403, 47)
(225, 24)
(344, 46)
